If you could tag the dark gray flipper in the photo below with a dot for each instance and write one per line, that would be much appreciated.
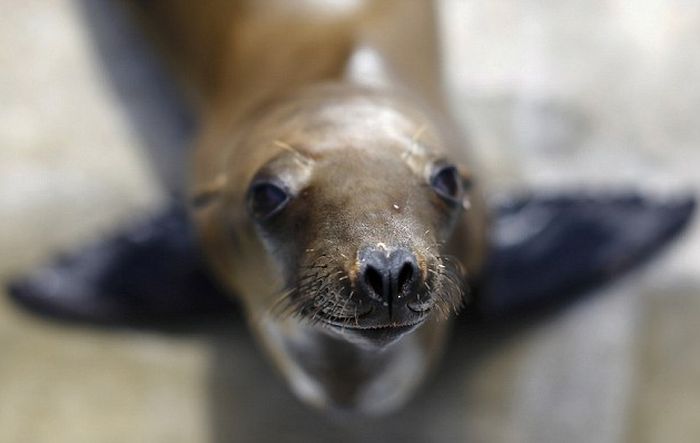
(546, 250)
(149, 272)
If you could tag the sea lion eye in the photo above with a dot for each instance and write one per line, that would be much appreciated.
(266, 199)
(447, 183)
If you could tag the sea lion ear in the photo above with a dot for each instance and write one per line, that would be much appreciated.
(467, 186)
(208, 193)
(467, 178)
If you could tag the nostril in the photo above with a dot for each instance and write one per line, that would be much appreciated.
(392, 279)
(405, 276)
(373, 279)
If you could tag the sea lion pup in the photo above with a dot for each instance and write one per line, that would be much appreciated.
(330, 194)
(333, 223)
(327, 189)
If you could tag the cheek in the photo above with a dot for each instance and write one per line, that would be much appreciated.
(444, 220)
(285, 240)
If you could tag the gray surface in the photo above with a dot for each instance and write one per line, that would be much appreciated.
(562, 93)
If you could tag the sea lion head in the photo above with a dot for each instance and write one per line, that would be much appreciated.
(348, 199)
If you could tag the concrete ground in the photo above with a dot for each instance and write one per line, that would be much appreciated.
(602, 93)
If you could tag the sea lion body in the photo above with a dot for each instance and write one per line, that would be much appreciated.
(359, 176)
(331, 193)
(343, 104)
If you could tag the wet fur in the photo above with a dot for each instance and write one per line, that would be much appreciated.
(285, 93)
(151, 271)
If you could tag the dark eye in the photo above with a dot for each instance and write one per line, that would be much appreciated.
(447, 182)
(266, 199)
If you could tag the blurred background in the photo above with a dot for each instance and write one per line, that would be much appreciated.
(601, 94)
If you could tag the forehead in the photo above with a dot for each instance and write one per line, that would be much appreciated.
(358, 169)
(365, 124)
(361, 125)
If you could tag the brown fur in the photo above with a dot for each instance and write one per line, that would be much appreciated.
(277, 90)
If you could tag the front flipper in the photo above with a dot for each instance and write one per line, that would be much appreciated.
(149, 272)
(546, 250)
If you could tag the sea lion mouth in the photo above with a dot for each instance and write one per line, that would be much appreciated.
(381, 334)
(344, 324)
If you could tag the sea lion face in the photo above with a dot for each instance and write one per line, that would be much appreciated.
(352, 207)
(360, 244)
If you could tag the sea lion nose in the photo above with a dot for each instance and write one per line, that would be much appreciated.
(390, 278)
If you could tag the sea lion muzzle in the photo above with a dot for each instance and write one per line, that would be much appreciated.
(389, 285)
